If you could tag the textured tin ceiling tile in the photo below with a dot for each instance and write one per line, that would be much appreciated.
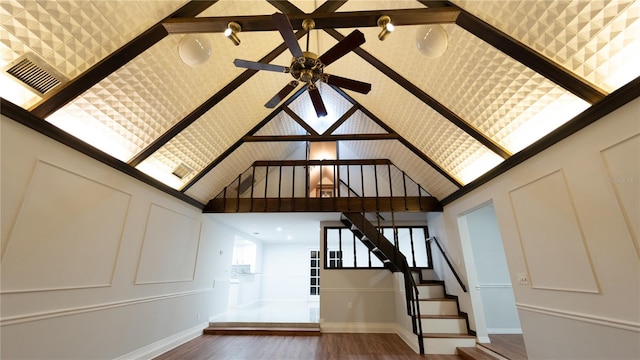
(488, 89)
(598, 41)
(431, 180)
(219, 128)
(228, 170)
(144, 98)
(281, 124)
(359, 123)
(240, 8)
(364, 5)
(74, 35)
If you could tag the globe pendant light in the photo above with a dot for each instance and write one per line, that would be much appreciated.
(431, 40)
(194, 49)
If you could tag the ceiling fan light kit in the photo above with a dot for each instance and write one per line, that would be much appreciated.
(307, 67)
(233, 28)
(431, 40)
(194, 49)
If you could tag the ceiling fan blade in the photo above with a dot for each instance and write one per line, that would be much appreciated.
(253, 65)
(316, 99)
(281, 21)
(355, 85)
(281, 94)
(352, 41)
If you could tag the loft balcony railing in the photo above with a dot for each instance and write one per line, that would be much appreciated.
(323, 185)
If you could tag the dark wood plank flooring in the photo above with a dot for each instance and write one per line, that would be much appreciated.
(510, 346)
(326, 346)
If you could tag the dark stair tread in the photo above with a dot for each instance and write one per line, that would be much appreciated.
(438, 299)
(447, 335)
(431, 283)
(471, 353)
(442, 317)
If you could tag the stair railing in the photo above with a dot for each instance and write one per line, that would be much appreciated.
(446, 258)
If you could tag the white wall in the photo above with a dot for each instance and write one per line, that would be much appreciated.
(356, 300)
(96, 264)
(568, 219)
(285, 273)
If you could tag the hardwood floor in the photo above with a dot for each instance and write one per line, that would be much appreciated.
(326, 346)
(509, 346)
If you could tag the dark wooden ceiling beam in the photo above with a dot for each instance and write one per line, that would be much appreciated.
(401, 139)
(316, 138)
(530, 58)
(341, 121)
(323, 20)
(427, 99)
(434, 3)
(58, 98)
(350, 162)
(299, 120)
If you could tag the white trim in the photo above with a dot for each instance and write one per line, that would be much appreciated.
(358, 327)
(504, 331)
(24, 318)
(588, 318)
(483, 339)
(160, 347)
(494, 286)
(408, 337)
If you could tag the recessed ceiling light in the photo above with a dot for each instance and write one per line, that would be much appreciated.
(289, 237)
(279, 229)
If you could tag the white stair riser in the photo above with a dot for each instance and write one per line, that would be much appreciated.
(430, 292)
(445, 326)
(438, 307)
(446, 345)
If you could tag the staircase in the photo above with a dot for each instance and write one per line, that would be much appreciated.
(444, 327)
(437, 320)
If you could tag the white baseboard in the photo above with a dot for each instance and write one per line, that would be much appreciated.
(504, 331)
(358, 327)
(483, 339)
(160, 347)
(409, 338)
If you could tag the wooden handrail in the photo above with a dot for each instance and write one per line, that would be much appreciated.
(464, 288)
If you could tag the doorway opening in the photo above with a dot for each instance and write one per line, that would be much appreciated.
(489, 280)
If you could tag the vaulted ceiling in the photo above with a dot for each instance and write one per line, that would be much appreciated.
(513, 72)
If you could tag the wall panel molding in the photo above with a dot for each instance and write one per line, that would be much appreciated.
(76, 244)
(170, 247)
(588, 318)
(625, 181)
(551, 235)
(36, 316)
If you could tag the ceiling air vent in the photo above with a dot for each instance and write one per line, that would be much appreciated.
(182, 171)
(35, 74)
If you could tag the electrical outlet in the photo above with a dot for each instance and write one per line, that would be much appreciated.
(349, 305)
(523, 279)
(198, 316)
